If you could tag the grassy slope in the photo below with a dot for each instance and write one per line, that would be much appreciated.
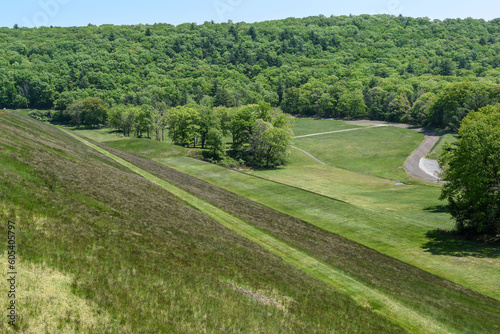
(138, 259)
(426, 293)
(363, 294)
(405, 216)
(88, 221)
(379, 151)
(436, 151)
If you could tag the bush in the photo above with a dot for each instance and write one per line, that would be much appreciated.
(41, 115)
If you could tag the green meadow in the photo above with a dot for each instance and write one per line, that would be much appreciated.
(398, 220)
(104, 250)
(123, 235)
(448, 138)
(379, 151)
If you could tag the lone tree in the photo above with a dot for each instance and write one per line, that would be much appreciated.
(472, 173)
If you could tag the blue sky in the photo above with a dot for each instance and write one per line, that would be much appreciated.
(31, 13)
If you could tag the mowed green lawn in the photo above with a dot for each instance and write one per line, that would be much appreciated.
(396, 220)
(449, 138)
(306, 126)
(379, 151)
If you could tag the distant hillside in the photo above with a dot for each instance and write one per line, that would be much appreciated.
(380, 67)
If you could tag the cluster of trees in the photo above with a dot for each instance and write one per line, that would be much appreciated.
(89, 112)
(443, 107)
(260, 135)
(472, 175)
(380, 67)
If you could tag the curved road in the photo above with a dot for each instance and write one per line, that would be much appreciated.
(415, 164)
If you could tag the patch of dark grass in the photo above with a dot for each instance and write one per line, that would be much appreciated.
(437, 209)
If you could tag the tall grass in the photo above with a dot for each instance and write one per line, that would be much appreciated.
(140, 258)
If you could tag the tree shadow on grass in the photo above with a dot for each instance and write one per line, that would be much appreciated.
(437, 209)
(447, 243)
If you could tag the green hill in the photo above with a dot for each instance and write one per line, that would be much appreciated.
(380, 67)
(103, 249)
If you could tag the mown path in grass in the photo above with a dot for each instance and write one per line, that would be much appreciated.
(412, 163)
(327, 164)
(362, 294)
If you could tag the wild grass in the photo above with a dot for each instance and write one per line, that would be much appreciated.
(144, 254)
(143, 258)
(47, 305)
(363, 294)
(427, 294)
(395, 220)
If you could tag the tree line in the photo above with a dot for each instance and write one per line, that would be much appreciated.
(256, 135)
(382, 67)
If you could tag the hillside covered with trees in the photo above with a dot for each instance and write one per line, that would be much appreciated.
(380, 67)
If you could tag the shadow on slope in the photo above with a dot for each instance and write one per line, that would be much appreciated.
(446, 243)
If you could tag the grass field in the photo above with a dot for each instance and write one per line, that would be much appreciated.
(372, 268)
(406, 216)
(122, 255)
(364, 295)
(198, 258)
(378, 151)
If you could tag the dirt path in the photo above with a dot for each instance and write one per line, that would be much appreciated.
(416, 165)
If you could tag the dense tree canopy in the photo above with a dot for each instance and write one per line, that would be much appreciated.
(381, 67)
(88, 112)
(472, 173)
(261, 135)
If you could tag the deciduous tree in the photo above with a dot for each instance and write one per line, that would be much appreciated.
(472, 174)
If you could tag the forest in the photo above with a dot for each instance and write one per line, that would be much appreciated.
(381, 67)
